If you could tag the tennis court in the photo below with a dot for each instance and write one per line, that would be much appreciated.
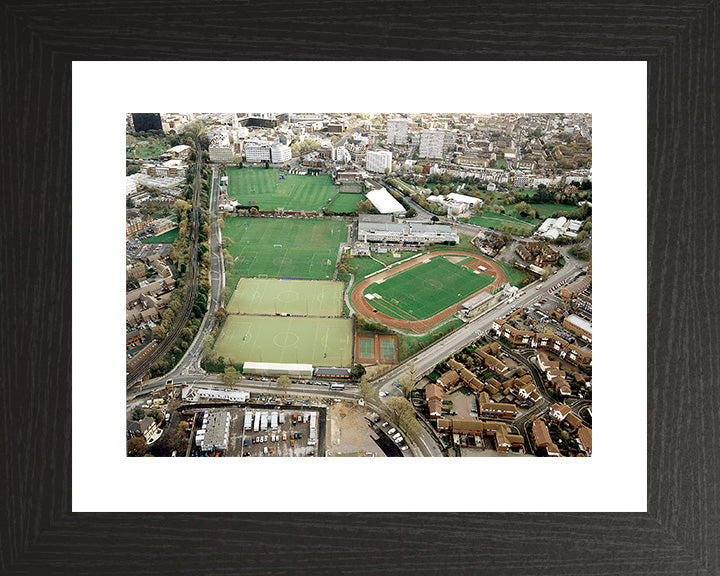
(317, 341)
(366, 347)
(388, 348)
(295, 297)
(424, 290)
(282, 248)
(273, 188)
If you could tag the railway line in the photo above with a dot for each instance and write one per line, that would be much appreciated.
(192, 282)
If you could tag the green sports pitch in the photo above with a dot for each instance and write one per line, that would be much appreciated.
(317, 341)
(273, 189)
(282, 248)
(424, 290)
(295, 297)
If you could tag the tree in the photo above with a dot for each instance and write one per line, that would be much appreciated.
(547, 272)
(208, 352)
(230, 376)
(410, 212)
(407, 385)
(401, 413)
(129, 203)
(138, 414)
(357, 371)
(136, 446)
(284, 382)
(434, 219)
(367, 390)
(156, 415)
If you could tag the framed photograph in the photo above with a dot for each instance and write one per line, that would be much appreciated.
(630, 109)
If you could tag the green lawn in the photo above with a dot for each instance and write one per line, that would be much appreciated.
(497, 221)
(426, 289)
(165, 238)
(515, 277)
(317, 341)
(282, 248)
(364, 265)
(292, 192)
(547, 210)
(296, 297)
(409, 345)
(345, 203)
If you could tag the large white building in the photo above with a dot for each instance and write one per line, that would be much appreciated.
(257, 150)
(384, 202)
(378, 161)
(280, 153)
(431, 144)
(341, 155)
(397, 130)
(221, 150)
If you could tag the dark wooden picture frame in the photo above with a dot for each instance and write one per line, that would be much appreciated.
(680, 533)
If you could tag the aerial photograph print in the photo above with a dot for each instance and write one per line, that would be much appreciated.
(323, 284)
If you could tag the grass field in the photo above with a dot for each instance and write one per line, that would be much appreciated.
(515, 277)
(426, 289)
(317, 341)
(493, 220)
(547, 210)
(293, 192)
(364, 265)
(345, 203)
(282, 248)
(409, 345)
(296, 297)
(165, 238)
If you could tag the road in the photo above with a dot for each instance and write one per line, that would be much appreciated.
(192, 271)
(428, 358)
(190, 362)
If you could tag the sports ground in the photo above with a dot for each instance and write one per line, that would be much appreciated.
(282, 248)
(295, 297)
(424, 290)
(272, 189)
(419, 294)
(294, 339)
(345, 203)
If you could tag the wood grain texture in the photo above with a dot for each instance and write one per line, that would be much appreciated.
(680, 535)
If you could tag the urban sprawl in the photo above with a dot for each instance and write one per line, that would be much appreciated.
(327, 284)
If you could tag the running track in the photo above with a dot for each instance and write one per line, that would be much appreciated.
(419, 326)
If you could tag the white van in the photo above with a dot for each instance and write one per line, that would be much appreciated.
(391, 431)
(265, 451)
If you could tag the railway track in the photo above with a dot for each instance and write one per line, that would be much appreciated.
(163, 347)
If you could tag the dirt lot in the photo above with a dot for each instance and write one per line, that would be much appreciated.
(349, 433)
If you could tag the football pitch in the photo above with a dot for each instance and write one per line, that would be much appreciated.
(317, 341)
(271, 191)
(346, 203)
(424, 290)
(295, 297)
(282, 248)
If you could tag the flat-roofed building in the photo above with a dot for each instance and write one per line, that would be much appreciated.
(378, 161)
(384, 202)
(278, 369)
(414, 234)
(397, 130)
(578, 326)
